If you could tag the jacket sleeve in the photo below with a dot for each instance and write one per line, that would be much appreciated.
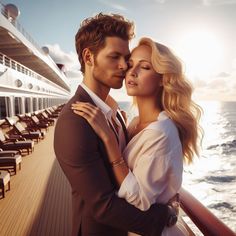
(77, 150)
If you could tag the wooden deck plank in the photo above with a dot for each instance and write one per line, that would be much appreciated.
(39, 202)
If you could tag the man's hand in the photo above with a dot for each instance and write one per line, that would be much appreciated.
(173, 205)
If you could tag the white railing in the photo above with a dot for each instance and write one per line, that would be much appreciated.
(8, 62)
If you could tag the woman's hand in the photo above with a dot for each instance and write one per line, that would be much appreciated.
(95, 117)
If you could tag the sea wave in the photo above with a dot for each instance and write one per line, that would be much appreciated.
(221, 205)
(228, 147)
(220, 179)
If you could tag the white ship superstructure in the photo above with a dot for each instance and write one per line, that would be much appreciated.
(29, 79)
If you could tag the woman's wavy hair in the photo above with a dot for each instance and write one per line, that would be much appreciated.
(93, 32)
(177, 97)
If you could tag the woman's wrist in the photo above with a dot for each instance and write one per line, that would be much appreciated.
(117, 162)
(109, 138)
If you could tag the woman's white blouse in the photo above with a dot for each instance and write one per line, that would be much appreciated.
(155, 159)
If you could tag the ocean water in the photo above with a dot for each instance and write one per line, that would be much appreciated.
(212, 177)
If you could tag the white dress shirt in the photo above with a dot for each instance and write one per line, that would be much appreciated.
(109, 109)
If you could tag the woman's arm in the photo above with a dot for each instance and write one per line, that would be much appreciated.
(97, 120)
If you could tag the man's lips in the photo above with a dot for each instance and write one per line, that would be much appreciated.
(120, 75)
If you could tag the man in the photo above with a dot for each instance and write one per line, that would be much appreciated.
(102, 47)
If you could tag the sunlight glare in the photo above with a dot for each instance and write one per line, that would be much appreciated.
(201, 52)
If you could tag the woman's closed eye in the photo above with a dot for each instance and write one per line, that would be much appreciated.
(146, 67)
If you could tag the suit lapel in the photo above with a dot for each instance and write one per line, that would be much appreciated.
(83, 96)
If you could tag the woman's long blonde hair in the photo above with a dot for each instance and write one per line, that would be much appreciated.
(177, 97)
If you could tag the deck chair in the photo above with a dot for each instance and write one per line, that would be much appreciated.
(22, 145)
(44, 118)
(52, 112)
(40, 124)
(20, 130)
(10, 160)
(30, 125)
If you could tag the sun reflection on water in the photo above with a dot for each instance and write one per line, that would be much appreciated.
(211, 178)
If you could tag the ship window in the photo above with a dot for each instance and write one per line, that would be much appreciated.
(40, 104)
(30, 86)
(46, 103)
(18, 83)
(35, 107)
(4, 107)
(18, 102)
(27, 105)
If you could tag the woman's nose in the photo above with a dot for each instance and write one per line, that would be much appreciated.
(132, 72)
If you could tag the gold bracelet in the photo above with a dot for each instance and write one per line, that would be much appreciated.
(117, 162)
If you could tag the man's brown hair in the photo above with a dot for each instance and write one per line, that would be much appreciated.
(94, 30)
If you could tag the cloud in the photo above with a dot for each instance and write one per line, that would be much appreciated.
(153, 1)
(218, 2)
(223, 74)
(161, 1)
(113, 5)
(71, 63)
(221, 88)
(234, 64)
(70, 60)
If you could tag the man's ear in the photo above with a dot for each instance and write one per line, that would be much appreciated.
(87, 57)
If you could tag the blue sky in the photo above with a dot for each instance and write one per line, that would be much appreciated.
(201, 32)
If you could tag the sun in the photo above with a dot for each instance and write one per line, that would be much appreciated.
(201, 52)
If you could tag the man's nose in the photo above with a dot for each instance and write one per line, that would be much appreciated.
(123, 65)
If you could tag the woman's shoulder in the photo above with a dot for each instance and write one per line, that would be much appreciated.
(164, 125)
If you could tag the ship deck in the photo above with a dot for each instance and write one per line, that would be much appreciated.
(39, 201)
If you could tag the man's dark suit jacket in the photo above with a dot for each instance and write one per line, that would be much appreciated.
(96, 208)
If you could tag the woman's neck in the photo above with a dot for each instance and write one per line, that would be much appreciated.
(148, 110)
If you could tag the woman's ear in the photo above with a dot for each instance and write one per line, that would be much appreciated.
(87, 57)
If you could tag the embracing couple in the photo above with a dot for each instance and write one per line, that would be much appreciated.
(126, 178)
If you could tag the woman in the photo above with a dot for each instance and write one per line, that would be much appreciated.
(164, 134)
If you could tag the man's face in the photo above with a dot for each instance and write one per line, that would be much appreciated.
(110, 64)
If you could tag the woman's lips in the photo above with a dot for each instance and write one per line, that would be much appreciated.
(131, 83)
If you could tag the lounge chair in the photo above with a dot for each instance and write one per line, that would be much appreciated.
(4, 180)
(43, 117)
(20, 130)
(30, 125)
(10, 160)
(7, 143)
(53, 112)
(41, 124)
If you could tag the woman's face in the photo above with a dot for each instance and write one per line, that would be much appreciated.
(141, 78)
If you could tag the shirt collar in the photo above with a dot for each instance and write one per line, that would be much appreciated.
(109, 107)
(163, 116)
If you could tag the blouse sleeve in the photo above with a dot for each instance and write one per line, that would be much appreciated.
(149, 177)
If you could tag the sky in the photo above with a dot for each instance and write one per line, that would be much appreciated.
(200, 32)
